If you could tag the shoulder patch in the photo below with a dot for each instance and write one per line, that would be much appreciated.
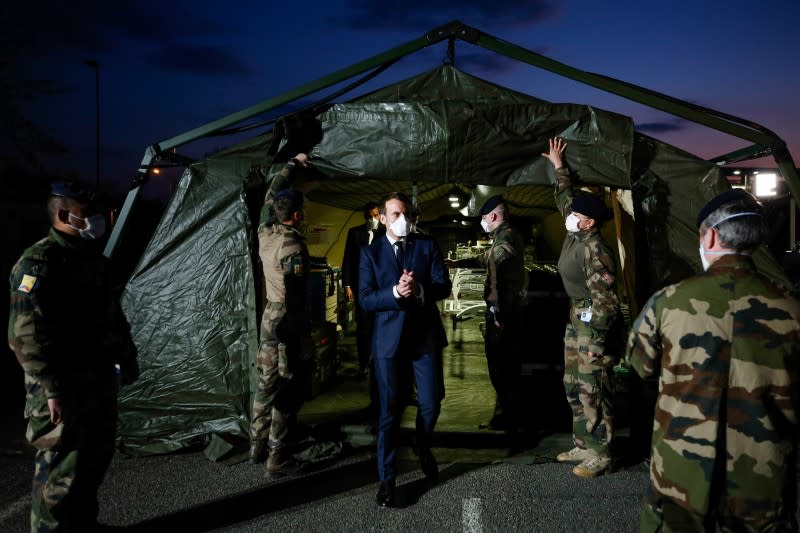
(27, 283)
(293, 265)
(502, 250)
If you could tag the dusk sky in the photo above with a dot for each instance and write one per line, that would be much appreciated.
(167, 67)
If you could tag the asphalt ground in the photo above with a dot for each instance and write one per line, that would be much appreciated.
(479, 489)
(483, 485)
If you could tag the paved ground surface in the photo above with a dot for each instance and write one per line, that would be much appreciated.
(480, 488)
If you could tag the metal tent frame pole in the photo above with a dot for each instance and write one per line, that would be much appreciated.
(765, 141)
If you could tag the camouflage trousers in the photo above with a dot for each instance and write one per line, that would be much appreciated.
(589, 384)
(711, 497)
(742, 515)
(65, 485)
(71, 458)
(279, 393)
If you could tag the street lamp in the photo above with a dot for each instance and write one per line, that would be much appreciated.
(96, 66)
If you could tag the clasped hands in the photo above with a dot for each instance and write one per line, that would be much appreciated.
(407, 286)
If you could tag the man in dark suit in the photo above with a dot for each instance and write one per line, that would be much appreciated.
(358, 237)
(401, 277)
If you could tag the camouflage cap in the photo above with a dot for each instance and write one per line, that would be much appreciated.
(727, 197)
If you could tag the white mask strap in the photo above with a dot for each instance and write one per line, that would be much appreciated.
(735, 215)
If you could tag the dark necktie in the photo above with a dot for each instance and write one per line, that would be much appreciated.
(400, 254)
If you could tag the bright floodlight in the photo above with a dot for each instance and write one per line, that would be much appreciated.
(766, 183)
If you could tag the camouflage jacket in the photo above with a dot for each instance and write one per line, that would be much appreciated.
(284, 256)
(65, 322)
(506, 277)
(726, 344)
(587, 269)
(280, 181)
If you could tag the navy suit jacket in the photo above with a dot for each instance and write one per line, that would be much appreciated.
(357, 238)
(419, 326)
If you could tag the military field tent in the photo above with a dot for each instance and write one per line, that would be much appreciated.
(192, 298)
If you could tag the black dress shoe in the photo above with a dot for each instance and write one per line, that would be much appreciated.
(428, 463)
(385, 497)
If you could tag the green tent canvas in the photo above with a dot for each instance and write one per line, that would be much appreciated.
(192, 301)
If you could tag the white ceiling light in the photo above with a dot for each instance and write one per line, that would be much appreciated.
(766, 184)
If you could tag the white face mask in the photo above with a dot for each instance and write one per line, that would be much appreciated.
(703, 251)
(703, 259)
(571, 223)
(373, 223)
(400, 227)
(485, 226)
(95, 226)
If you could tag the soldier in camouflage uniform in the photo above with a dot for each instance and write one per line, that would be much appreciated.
(503, 291)
(67, 331)
(588, 271)
(726, 346)
(286, 349)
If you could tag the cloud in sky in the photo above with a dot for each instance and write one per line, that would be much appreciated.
(416, 14)
(200, 60)
(97, 27)
(489, 63)
(665, 126)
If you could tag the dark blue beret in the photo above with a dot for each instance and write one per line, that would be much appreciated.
(295, 196)
(68, 189)
(590, 205)
(490, 204)
(727, 197)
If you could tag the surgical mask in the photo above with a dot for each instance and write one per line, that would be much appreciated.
(485, 226)
(703, 251)
(95, 226)
(373, 223)
(571, 223)
(703, 259)
(400, 227)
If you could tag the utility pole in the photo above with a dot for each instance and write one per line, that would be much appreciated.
(96, 66)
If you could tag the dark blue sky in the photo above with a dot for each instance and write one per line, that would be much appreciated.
(167, 67)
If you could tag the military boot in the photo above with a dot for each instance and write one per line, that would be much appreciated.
(258, 451)
(280, 461)
(594, 466)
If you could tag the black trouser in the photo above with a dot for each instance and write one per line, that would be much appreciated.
(502, 346)
(365, 321)
(364, 324)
